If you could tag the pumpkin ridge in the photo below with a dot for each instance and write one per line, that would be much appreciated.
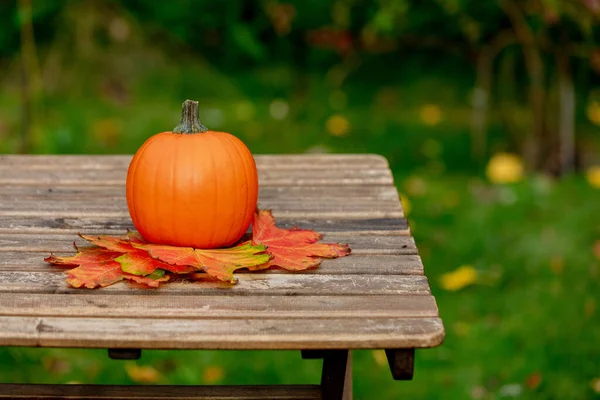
(155, 204)
(134, 195)
(211, 155)
(245, 199)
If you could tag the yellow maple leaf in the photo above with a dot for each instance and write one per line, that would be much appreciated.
(592, 175)
(464, 276)
(505, 168)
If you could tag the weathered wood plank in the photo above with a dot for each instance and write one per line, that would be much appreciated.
(44, 242)
(296, 207)
(150, 333)
(367, 214)
(248, 284)
(281, 193)
(61, 392)
(118, 225)
(295, 161)
(194, 307)
(355, 264)
(266, 177)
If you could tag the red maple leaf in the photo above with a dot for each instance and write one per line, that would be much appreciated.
(292, 249)
(134, 260)
(130, 257)
(84, 256)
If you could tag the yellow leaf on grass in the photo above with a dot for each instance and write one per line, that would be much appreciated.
(431, 114)
(505, 168)
(593, 176)
(142, 373)
(213, 374)
(593, 112)
(379, 357)
(337, 125)
(406, 205)
(595, 384)
(459, 278)
(596, 249)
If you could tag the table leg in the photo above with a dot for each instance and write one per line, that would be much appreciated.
(336, 378)
(125, 354)
(312, 354)
(402, 363)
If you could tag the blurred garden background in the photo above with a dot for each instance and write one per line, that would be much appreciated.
(488, 112)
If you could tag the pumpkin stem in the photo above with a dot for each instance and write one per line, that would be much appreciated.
(190, 121)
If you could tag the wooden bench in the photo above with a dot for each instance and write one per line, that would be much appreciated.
(376, 298)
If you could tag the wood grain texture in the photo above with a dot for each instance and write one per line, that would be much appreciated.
(248, 284)
(280, 193)
(295, 209)
(45, 242)
(235, 334)
(156, 392)
(377, 297)
(68, 224)
(283, 162)
(266, 177)
(351, 265)
(202, 306)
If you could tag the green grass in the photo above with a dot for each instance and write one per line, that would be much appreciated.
(533, 311)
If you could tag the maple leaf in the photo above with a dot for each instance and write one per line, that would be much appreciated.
(219, 263)
(98, 267)
(84, 256)
(153, 280)
(134, 260)
(92, 275)
(292, 249)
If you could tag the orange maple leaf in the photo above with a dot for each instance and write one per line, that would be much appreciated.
(84, 256)
(292, 249)
(97, 267)
(219, 263)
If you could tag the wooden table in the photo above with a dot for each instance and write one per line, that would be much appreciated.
(376, 298)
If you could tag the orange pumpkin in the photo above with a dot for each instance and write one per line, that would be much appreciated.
(192, 187)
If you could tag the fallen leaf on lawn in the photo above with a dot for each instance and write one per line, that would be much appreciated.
(458, 279)
(379, 357)
(596, 249)
(593, 176)
(142, 373)
(292, 249)
(595, 385)
(534, 380)
(213, 375)
(505, 168)
(461, 328)
(220, 263)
